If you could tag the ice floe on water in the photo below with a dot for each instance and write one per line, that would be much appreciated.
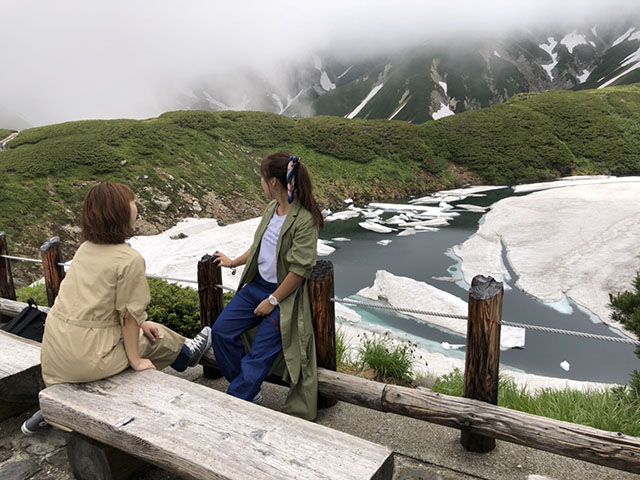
(376, 227)
(403, 292)
(565, 366)
(343, 215)
(456, 194)
(472, 208)
(572, 239)
(324, 248)
(384, 243)
(341, 239)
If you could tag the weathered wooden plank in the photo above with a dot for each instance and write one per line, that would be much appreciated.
(11, 308)
(482, 358)
(323, 315)
(52, 268)
(610, 449)
(211, 299)
(20, 374)
(7, 288)
(197, 432)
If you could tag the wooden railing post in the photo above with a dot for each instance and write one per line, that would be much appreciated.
(52, 268)
(482, 359)
(211, 299)
(7, 289)
(323, 315)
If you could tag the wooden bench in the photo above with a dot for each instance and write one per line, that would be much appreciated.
(196, 432)
(20, 374)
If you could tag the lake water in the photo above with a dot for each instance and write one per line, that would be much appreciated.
(427, 255)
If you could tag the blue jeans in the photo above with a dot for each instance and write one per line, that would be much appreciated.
(247, 371)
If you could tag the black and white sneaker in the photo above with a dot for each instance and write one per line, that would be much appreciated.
(33, 424)
(199, 345)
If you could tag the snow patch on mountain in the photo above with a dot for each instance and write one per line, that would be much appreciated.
(325, 82)
(633, 61)
(594, 30)
(444, 86)
(571, 40)
(554, 56)
(623, 37)
(344, 73)
(583, 78)
(443, 111)
(276, 98)
(401, 104)
(364, 102)
(495, 52)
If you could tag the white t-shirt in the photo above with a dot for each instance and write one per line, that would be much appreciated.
(267, 256)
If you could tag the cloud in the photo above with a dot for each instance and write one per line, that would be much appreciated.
(68, 60)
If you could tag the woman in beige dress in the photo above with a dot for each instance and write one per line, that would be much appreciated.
(98, 325)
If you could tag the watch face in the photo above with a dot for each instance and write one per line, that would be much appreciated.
(273, 301)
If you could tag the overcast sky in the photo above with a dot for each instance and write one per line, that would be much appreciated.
(67, 60)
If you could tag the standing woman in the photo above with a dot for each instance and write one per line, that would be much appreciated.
(98, 326)
(273, 293)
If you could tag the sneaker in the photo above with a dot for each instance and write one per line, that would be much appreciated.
(199, 345)
(257, 399)
(33, 424)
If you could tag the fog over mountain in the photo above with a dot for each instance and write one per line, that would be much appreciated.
(71, 60)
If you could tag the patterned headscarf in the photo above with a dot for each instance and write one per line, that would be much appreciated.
(292, 166)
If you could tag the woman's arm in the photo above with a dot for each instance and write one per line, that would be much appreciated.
(289, 285)
(131, 337)
(224, 261)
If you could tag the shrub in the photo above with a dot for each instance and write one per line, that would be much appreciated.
(37, 292)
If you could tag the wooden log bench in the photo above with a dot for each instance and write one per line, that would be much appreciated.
(196, 432)
(20, 374)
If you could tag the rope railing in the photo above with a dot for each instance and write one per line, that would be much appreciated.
(379, 306)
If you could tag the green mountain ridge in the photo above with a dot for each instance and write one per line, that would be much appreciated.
(190, 163)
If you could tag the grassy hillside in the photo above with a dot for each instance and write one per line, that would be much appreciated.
(537, 136)
(182, 157)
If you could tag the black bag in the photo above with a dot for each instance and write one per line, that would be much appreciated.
(29, 323)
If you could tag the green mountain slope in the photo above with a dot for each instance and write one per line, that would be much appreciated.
(186, 163)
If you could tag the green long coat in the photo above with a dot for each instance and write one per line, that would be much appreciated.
(296, 252)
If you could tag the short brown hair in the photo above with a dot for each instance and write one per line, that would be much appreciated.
(106, 213)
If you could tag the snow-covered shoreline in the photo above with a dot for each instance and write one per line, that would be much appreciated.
(174, 255)
(571, 239)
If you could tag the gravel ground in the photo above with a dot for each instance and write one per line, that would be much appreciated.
(422, 450)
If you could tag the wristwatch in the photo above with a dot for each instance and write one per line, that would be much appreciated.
(273, 301)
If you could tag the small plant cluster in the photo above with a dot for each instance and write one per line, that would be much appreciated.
(377, 357)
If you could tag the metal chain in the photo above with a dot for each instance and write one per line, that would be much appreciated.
(397, 309)
(357, 303)
(571, 332)
(33, 260)
(502, 322)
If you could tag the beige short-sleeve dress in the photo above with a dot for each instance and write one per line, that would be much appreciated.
(83, 333)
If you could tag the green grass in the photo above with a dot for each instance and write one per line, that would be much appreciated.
(4, 133)
(391, 361)
(615, 410)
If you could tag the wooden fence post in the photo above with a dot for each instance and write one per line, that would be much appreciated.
(482, 358)
(323, 315)
(211, 299)
(53, 271)
(7, 289)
